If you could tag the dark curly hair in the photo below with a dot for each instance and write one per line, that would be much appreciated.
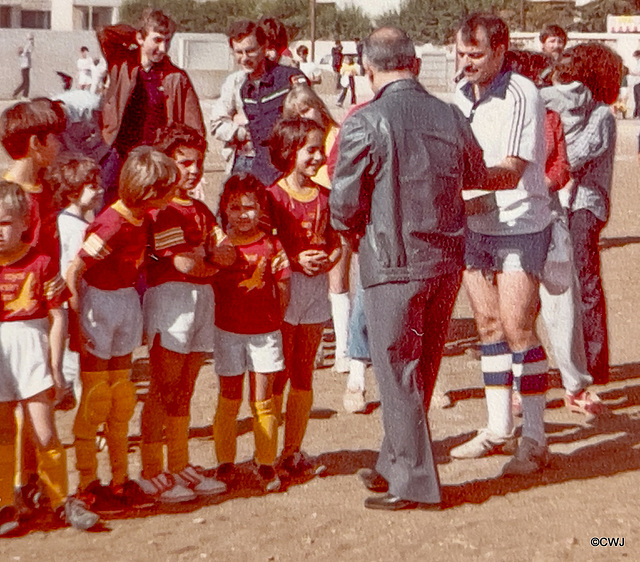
(169, 139)
(239, 184)
(68, 176)
(596, 66)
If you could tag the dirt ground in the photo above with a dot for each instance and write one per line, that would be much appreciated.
(591, 490)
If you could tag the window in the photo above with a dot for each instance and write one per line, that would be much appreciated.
(93, 17)
(5, 16)
(35, 19)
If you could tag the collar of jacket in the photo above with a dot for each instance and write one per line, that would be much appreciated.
(396, 85)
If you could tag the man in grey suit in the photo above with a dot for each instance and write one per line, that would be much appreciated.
(403, 160)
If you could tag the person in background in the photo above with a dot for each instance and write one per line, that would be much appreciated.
(83, 66)
(309, 68)
(553, 40)
(348, 73)
(24, 55)
(336, 61)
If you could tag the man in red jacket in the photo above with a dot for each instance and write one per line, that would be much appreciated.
(146, 90)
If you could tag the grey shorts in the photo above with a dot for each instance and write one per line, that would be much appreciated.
(515, 252)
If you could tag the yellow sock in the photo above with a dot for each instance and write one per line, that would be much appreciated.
(152, 455)
(177, 433)
(52, 469)
(265, 432)
(298, 409)
(123, 403)
(224, 429)
(93, 411)
(7, 473)
(277, 407)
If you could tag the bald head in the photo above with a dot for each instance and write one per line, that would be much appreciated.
(389, 49)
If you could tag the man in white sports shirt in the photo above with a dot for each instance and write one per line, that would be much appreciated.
(507, 240)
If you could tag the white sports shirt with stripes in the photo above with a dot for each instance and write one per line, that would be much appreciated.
(509, 121)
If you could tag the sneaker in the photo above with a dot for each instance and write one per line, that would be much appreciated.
(132, 496)
(516, 404)
(268, 478)
(298, 464)
(529, 458)
(101, 499)
(8, 520)
(354, 400)
(165, 489)
(193, 477)
(586, 403)
(485, 443)
(75, 512)
(29, 498)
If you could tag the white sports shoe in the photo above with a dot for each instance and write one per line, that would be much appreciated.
(193, 478)
(165, 489)
(485, 443)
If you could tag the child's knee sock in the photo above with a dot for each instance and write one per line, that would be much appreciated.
(52, 469)
(8, 437)
(340, 305)
(298, 409)
(123, 396)
(265, 431)
(530, 371)
(177, 433)
(224, 429)
(93, 411)
(496, 362)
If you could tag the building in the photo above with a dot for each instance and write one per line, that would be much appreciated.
(58, 15)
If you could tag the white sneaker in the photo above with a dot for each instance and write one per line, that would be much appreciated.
(166, 490)
(354, 401)
(342, 364)
(485, 443)
(193, 477)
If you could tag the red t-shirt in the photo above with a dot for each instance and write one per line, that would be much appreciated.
(30, 286)
(301, 224)
(184, 225)
(557, 163)
(114, 248)
(247, 299)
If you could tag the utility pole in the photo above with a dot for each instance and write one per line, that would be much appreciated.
(312, 19)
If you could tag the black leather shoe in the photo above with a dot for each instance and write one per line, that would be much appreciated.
(389, 502)
(373, 481)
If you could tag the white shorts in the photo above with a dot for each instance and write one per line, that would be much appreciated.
(111, 322)
(235, 354)
(182, 313)
(309, 303)
(24, 359)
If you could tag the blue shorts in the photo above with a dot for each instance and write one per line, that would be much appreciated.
(515, 252)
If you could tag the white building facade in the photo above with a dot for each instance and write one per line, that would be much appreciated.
(58, 15)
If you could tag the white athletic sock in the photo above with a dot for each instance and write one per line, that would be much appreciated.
(496, 369)
(340, 306)
(355, 380)
(530, 372)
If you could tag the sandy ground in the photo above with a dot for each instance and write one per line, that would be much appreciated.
(591, 489)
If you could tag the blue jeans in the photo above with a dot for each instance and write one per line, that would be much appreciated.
(358, 340)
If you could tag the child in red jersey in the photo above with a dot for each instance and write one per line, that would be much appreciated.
(31, 344)
(299, 210)
(251, 297)
(186, 249)
(30, 133)
(102, 280)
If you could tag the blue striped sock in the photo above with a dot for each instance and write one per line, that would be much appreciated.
(498, 378)
(530, 369)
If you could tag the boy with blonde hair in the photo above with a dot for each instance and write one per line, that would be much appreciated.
(102, 280)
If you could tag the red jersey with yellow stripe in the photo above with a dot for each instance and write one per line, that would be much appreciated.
(114, 248)
(30, 285)
(180, 228)
(302, 223)
(247, 298)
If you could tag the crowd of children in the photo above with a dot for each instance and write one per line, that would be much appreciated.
(146, 269)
